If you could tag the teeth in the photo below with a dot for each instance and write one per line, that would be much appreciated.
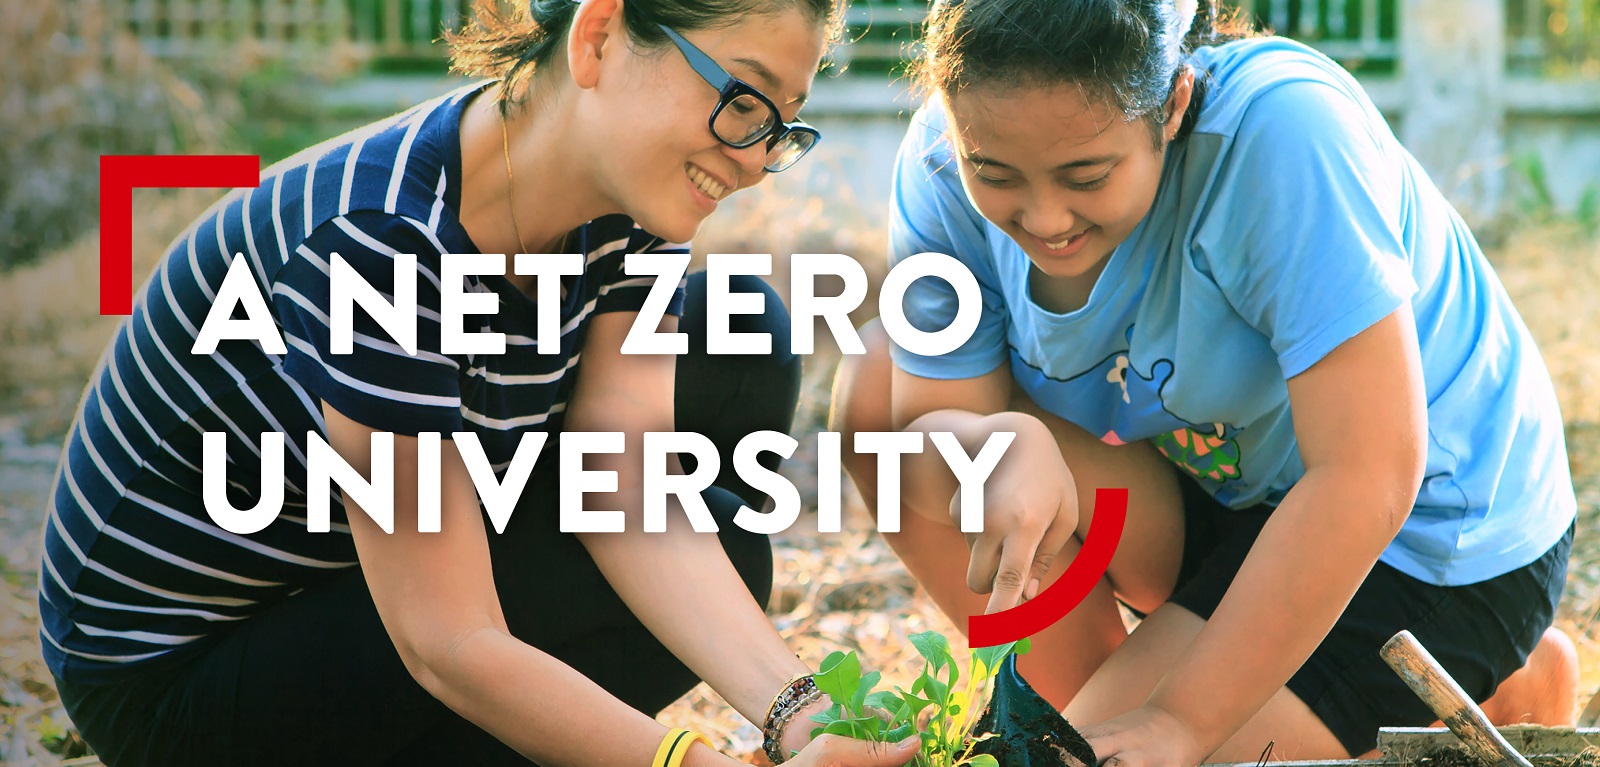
(706, 183)
(1061, 244)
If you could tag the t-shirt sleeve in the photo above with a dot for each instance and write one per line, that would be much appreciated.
(929, 213)
(620, 292)
(379, 384)
(1304, 235)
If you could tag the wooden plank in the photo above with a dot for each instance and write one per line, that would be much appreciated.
(1407, 744)
(1313, 763)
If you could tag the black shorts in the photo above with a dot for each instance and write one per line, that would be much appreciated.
(1480, 633)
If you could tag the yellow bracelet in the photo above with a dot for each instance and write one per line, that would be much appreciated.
(676, 745)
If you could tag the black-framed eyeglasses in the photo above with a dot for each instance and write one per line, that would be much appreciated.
(744, 116)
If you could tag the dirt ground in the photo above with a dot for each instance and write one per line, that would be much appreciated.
(836, 591)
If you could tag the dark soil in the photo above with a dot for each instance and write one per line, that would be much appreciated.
(1044, 741)
(1458, 757)
(1027, 731)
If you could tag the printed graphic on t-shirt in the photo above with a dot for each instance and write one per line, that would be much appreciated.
(1120, 404)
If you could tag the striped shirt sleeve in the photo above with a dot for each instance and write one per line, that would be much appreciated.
(620, 292)
(379, 384)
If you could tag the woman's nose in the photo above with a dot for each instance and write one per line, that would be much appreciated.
(751, 160)
(1048, 218)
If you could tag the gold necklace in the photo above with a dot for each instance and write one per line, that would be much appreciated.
(511, 196)
(511, 184)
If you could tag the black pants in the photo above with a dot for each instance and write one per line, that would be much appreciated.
(316, 680)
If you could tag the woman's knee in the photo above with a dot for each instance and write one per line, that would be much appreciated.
(861, 389)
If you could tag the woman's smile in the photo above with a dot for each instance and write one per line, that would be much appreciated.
(706, 188)
(1061, 246)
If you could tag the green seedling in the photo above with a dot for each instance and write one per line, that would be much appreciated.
(938, 707)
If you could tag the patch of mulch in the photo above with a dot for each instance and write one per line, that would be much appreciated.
(1456, 756)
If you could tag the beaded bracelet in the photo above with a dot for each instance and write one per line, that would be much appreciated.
(800, 691)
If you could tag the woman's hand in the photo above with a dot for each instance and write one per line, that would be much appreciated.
(1030, 512)
(839, 751)
(797, 733)
(1147, 736)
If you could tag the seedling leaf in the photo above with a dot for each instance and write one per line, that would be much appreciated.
(839, 675)
(933, 647)
(863, 686)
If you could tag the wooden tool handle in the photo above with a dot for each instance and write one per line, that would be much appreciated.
(1448, 701)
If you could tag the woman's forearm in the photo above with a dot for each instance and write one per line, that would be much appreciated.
(541, 707)
(682, 587)
(1310, 558)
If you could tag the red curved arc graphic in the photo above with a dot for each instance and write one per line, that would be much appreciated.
(1053, 603)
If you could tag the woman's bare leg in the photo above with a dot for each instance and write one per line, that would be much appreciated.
(1126, 680)
(1143, 570)
(1544, 690)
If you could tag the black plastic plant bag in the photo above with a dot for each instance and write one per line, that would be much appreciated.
(1028, 731)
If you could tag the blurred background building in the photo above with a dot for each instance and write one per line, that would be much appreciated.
(1489, 94)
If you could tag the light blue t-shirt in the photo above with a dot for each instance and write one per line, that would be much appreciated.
(1288, 222)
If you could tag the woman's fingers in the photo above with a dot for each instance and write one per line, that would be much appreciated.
(1019, 567)
(1055, 539)
(1018, 556)
(983, 561)
(839, 751)
(1010, 559)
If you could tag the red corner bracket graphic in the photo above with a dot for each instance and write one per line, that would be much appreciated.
(119, 175)
(1053, 603)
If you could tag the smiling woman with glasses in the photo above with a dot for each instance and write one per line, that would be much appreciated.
(744, 116)
(174, 642)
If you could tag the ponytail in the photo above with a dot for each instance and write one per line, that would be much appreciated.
(1214, 26)
(511, 46)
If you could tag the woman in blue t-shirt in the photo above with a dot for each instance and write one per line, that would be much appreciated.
(1210, 274)
(610, 130)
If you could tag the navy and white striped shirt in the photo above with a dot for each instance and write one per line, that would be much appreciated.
(135, 572)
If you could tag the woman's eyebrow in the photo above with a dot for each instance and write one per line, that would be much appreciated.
(1087, 162)
(978, 159)
(769, 79)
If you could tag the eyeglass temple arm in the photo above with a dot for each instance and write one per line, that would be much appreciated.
(699, 61)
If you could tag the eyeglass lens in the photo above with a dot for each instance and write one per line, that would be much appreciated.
(743, 120)
(789, 150)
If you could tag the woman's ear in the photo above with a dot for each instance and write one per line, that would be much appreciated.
(1178, 103)
(597, 31)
